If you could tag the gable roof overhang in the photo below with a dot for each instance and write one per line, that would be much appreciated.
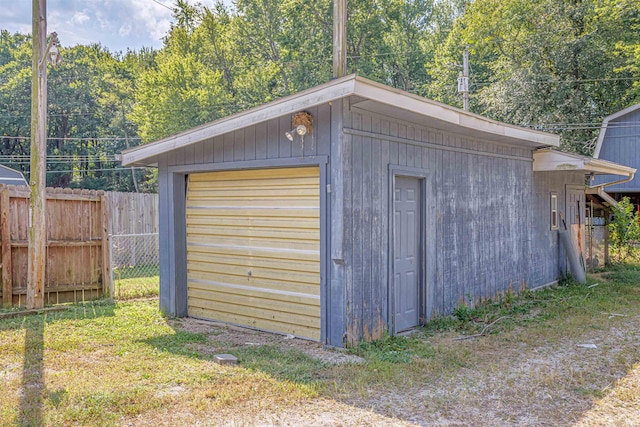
(605, 125)
(549, 160)
(10, 176)
(368, 95)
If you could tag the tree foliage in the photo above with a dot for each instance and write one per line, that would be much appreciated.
(555, 65)
(624, 230)
(552, 64)
(90, 96)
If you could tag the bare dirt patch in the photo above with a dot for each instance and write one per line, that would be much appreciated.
(229, 337)
(509, 382)
(510, 379)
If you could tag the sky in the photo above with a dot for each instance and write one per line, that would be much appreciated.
(116, 24)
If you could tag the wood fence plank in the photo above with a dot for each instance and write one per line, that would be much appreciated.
(5, 235)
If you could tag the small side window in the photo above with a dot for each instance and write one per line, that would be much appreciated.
(554, 211)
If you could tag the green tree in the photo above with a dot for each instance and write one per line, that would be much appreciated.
(624, 230)
(548, 64)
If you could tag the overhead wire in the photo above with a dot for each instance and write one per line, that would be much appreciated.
(163, 5)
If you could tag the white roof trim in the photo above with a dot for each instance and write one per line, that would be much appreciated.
(547, 160)
(426, 107)
(605, 124)
(331, 91)
(19, 176)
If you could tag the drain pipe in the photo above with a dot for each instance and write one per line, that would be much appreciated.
(599, 189)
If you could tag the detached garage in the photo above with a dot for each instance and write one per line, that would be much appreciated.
(352, 209)
(253, 248)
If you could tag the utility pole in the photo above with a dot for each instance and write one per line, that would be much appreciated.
(37, 177)
(339, 38)
(463, 80)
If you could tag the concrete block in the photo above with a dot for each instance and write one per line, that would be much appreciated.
(225, 359)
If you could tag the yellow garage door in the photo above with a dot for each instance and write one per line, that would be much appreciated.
(253, 248)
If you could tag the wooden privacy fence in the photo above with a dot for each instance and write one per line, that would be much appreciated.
(77, 264)
(134, 229)
(133, 213)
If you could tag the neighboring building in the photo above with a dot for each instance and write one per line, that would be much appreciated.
(382, 211)
(619, 141)
(10, 176)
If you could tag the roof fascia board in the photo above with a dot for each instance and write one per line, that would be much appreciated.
(395, 97)
(328, 92)
(549, 160)
(609, 168)
(605, 124)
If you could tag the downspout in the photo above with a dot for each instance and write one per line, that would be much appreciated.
(599, 189)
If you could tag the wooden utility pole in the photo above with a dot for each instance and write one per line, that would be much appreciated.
(465, 70)
(37, 180)
(339, 38)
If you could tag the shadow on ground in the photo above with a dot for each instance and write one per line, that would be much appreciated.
(30, 411)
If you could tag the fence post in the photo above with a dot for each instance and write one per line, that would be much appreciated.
(106, 247)
(5, 235)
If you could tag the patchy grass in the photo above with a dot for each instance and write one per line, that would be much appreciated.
(517, 360)
(99, 363)
(142, 281)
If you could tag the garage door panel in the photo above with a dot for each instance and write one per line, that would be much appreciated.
(214, 250)
(283, 203)
(256, 273)
(267, 193)
(253, 248)
(282, 305)
(244, 262)
(256, 313)
(267, 284)
(256, 232)
(264, 324)
(198, 183)
(303, 300)
(291, 246)
(261, 212)
(202, 218)
(260, 174)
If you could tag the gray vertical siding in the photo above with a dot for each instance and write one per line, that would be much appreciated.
(621, 144)
(487, 211)
(548, 261)
(484, 212)
(262, 141)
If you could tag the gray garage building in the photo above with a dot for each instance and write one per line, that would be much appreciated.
(353, 208)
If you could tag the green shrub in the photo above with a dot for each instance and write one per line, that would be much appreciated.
(624, 230)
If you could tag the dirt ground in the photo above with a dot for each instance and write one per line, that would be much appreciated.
(592, 379)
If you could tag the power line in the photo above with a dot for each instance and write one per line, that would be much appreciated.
(101, 170)
(53, 138)
(163, 5)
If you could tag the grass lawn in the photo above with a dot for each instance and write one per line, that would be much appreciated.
(563, 356)
(141, 281)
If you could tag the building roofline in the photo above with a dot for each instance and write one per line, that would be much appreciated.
(549, 160)
(605, 125)
(351, 85)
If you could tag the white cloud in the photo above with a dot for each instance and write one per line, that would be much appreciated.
(125, 30)
(116, 24)
(80, 18)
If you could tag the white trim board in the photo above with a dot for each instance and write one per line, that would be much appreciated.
(376, 96)
(547, 160)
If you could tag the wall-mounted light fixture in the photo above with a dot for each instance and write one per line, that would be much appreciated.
(298, 130)
(302, 123)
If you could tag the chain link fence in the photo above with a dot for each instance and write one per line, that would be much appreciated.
(135, 265)
(133, 229)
